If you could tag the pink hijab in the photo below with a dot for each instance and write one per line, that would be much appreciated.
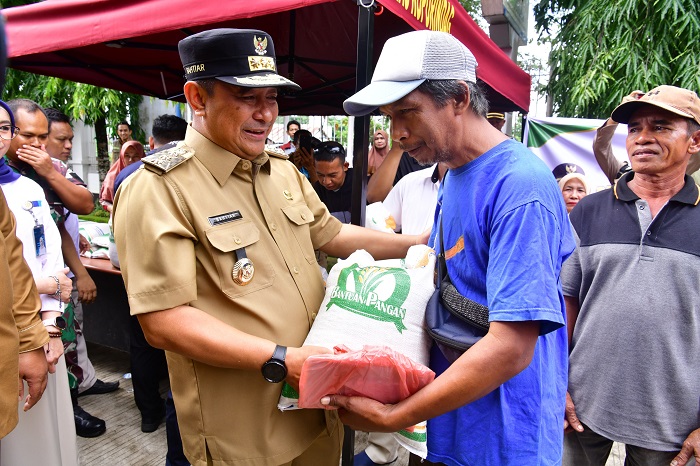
(107, 191)
(377, 156)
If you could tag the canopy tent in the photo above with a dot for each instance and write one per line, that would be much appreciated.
(131, 45)
(326, 46)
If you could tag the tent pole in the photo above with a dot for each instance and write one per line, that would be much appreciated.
(292, 43)
(365, 42)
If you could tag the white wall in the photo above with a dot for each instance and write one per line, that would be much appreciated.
(84, 155)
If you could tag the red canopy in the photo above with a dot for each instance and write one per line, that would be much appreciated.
(131, 45)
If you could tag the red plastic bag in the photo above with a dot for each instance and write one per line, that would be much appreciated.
(376, 372)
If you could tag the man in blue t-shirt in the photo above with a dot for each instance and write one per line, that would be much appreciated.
(505, 235)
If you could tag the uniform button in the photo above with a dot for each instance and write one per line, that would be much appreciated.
(296, 270)
(245, 165)
(313, 316)
(641, 207)
(648, 232)
(273, 226)
(303, 216)
(237, 240)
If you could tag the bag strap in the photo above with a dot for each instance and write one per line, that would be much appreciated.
(462, 307)
(441, 264)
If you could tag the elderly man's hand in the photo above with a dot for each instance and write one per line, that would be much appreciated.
(571, 421)
(39, 159)
(364, 414)
(691, 449)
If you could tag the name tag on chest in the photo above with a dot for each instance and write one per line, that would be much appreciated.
(225, 218)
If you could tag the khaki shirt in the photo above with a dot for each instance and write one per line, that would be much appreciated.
(176, 231)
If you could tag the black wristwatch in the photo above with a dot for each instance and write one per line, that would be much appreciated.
(275, 370)
(58, 322)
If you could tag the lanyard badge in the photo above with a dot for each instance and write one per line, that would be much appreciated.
(38, 230)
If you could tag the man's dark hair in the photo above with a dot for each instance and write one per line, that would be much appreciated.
(693, 126)
(55, 116)
(207, 84)
(293, 122)
(328, 151)
(443, 90)
(27, 105)
(167, 128)
(124, 122)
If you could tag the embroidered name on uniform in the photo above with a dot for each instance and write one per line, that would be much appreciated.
(225, 218)
(195, 68)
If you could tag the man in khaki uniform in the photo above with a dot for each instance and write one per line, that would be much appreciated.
(216, 240)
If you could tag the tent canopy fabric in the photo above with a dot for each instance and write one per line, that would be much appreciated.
(131, 45)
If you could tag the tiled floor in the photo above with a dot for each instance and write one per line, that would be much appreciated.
(123, 444)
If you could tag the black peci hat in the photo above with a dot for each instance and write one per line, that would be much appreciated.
(243, 57)
(564, 169)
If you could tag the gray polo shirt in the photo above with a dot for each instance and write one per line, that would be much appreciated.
(635, 356)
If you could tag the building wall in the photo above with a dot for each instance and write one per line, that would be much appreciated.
(84, 155)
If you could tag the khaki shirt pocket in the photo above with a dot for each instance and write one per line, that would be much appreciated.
(224, 240)
(300, 217)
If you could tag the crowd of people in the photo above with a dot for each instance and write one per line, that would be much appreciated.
(594, 324)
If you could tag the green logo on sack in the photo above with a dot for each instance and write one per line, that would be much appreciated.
(369, 287)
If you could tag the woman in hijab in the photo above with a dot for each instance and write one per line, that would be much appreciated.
(46, 433)
(132, 151)
(378, 152)
(574, 187)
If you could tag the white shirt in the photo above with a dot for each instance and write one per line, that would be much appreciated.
(412, 201)
(18, 193)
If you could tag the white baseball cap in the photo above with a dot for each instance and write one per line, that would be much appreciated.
(406, 62)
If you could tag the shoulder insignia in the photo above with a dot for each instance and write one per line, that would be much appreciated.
(275, 152)
(164, 161)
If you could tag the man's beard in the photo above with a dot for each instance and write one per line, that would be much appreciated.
(440, 156)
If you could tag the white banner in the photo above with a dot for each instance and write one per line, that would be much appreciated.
(562, 141)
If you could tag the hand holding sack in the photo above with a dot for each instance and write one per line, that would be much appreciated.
(376, 372)
(375, 303)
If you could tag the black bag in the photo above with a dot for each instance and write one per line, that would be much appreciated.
(455, 323)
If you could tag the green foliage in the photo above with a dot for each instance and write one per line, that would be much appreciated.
(77, 100)
(11, 3)
(378, 122)
(603, 50)
(339, 126)
(94, 217)
(98, 215)
(473, 7)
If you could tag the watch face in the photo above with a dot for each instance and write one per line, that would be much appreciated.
(274, 371)
(60, 322)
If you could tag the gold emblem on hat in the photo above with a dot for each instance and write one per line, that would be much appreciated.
(260, 44)
(261, 63)
(243, 271)
(287, 195)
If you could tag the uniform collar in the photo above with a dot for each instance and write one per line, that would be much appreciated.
(217, 160)
(689, 193)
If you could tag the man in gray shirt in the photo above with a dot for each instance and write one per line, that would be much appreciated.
(632, 296)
